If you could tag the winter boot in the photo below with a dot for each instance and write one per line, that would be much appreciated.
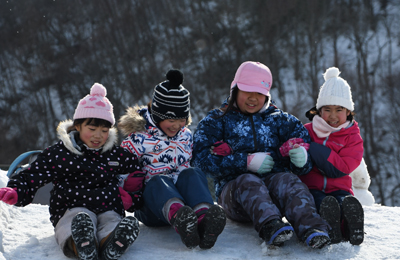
(330, 212)
(353, 214)
(185, 223)
(124, 234)
(315, 238)
(82, 230)
(276, 232)
(211, 225)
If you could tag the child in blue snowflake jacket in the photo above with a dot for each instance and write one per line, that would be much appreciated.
(238, 146)
(86, 204)
(174, 194)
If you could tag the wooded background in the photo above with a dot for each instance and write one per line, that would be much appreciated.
(52, 51)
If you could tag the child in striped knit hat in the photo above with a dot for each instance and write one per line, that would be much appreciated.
(175, 193)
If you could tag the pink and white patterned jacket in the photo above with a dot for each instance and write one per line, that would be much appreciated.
(157, 153)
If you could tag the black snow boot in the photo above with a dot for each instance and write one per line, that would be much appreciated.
(315, 238)
(124, 234)
(185, 223)
(276, 232)
(211, 226)
(82, 229)
(330, 212)
(353, 214)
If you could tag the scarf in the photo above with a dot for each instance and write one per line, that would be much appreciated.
(323, 129)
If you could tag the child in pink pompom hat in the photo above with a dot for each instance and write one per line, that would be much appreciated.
(95, 105)
(87, 203)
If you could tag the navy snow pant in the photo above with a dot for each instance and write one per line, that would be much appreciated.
(191, 187)
(251, 199)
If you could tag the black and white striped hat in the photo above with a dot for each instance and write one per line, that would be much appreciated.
(170, 99)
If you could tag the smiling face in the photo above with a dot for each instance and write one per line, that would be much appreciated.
(334, 115)
(250, 102)
(93, 136)
(172, 126)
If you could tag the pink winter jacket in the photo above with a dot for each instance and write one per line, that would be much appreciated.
(334, 158)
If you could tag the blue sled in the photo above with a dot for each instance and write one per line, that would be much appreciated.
(42, 195)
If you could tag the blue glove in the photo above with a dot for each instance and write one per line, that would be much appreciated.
(298, 156)
(260, 163)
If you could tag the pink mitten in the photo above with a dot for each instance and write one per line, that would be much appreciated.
(289, 145)
(9, 195)
(134, 181)
(126, 198)
(221, 148)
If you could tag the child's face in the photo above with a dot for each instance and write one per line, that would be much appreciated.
(250, 102)
(172, 126)
(93, 136)
(334, 115)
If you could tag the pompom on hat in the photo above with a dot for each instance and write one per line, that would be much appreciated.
(95, 105)
(335, 91)
(253, 77)
(170, 99)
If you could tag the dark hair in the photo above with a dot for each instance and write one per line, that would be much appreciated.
(314, 111)
(91, 121)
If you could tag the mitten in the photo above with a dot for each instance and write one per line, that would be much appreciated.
(260, 163)
(221, 148)
(9, 195)
(289, 145)
(134, 181)
(126, 198)
(298, 156)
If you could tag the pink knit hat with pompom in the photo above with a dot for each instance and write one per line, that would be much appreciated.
(95, 105)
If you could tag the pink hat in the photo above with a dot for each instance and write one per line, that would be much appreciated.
(253, 77)
(95, 105)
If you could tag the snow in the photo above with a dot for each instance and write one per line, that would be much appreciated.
(26, 233)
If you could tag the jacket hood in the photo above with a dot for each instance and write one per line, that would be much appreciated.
(64, 136)
(132, 121)
(135, 120)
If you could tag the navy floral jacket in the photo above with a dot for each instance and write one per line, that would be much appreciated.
(264, 131)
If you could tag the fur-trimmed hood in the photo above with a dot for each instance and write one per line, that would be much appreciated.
(65, 137)
(134, 121)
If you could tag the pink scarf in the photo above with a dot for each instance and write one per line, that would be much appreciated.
(322, 129)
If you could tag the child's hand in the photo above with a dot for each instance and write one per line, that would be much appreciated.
(298, 155)
(260, 162)
(221, 148)
(289, 145)
(126, 198)
(8, 195)
(134, 181)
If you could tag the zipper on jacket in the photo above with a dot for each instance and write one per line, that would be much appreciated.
(254, 133)
(325, 178)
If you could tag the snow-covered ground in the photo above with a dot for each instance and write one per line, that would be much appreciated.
(26, 233)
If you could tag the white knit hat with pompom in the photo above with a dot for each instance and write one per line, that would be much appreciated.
(335, 91)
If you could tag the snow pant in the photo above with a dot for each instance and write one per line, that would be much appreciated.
(249, 198)
(104, 224)
(191, 188)
(320, 195)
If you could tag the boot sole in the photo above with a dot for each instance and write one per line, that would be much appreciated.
(186, 225)
(82, 230)
(354, 215)
(281, 235)
(330, 212)
(124, 234)
(214, 223)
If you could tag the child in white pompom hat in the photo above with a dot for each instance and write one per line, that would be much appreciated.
(336, 151)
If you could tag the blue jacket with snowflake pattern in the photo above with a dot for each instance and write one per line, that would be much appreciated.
(264, 131)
